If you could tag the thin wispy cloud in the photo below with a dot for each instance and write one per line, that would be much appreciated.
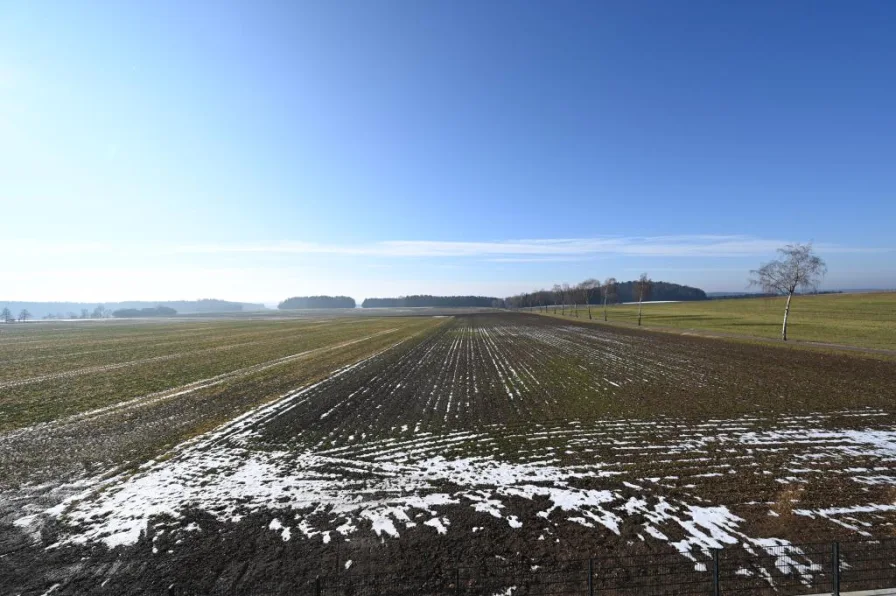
(507, 251)
(551, 259)
(532, 249)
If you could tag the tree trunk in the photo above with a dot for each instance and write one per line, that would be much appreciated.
(639, 313)
(786, 312)
(589, 311)
(605, 310)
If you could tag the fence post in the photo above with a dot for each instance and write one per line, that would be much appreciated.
(716, 589)
(835, 568)
(591, 577)
(317, 586)
(457, 580)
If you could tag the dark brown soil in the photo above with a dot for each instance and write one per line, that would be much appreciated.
(513, 375)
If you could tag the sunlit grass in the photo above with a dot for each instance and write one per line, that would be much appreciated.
(865, 320)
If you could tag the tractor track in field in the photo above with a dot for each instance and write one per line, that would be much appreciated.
(173, 340)
(88, 446)
(162, 358)
(158, 396)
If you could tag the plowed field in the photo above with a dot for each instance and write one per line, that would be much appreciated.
(490, 437)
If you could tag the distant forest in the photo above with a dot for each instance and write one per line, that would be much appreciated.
(623, 291)
(99, 310)
(438, 301)
(660, 290)
(130, 313)
(317, 302)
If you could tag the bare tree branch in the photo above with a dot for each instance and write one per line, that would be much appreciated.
(798, 268)
(608, 292)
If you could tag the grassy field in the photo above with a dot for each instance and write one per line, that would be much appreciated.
(864, 320)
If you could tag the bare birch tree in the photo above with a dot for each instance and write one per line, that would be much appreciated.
(642, 289)
(6, 315)
(608, 293)
(24, 315)
(558, 295)
(798, 268)
(589, 286)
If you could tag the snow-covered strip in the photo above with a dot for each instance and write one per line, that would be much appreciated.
(304, 486)
(384, 491)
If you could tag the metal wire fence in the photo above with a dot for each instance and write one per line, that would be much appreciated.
(759, 568)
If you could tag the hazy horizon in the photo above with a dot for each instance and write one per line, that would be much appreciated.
(272, 304)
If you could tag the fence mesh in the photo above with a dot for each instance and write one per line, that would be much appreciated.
(761, 568)
(867, 565)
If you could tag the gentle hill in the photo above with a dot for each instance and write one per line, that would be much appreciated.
(299, 302)
(433, 301)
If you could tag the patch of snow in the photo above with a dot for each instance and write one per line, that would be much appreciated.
(438, 524)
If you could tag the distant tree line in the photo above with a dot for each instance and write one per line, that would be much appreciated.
(158, 311)
(588, 292)
(797, 270)
(434, 301)
(100, 312)
(7, 316)
(205, 305)
(84, 310)
(297, 302)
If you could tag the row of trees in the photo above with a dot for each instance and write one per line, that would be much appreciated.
(100, 312)
(420, 300)
(425, 300)
(589, 292)
(798, 268)
(7, 317)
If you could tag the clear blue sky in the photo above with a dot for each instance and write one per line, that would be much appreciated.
(255, 150)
